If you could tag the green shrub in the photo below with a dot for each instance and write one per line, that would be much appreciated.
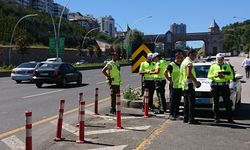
(131, 94)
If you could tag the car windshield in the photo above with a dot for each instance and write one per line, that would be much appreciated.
(27, 65)
(201, 71)
(49, 66)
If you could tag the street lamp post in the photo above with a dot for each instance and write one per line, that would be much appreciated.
(10, 49)
(141, 19)
(156, 38)
(58, 32)
(53, 22)
(134, 24)
(87, 34)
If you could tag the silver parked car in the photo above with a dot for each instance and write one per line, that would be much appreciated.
(24, 72)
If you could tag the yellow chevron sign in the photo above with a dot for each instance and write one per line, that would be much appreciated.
(139, 56)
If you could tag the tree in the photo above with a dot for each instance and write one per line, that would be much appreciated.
(133, 39)
(22, 43)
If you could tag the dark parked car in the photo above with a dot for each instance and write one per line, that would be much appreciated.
(59, 73)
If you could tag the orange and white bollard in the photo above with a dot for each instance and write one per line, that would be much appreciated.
(146, 106)
(96, 101)
(80, 99)
(28, 127)
(118, 112)
(60, 122)
(81, 122)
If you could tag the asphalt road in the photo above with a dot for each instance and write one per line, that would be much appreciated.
(155, 132)
(15, 99)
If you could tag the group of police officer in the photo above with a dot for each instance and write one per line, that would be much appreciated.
(182, 80)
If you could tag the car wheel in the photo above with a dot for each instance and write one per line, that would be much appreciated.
(79, 80)
(63, 82)
(39, 85)
(18, 81)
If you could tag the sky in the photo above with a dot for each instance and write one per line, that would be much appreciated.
(196, 14)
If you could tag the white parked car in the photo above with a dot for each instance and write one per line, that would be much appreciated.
(24, 72)
(204, 99)
(54, 59)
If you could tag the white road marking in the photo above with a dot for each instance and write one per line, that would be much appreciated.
(42, 94)
(14, 143)
(141, 128)
(120, 147)
(101, 82)
(109, 117)
(75, 130)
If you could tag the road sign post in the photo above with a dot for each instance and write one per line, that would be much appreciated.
(52, 45)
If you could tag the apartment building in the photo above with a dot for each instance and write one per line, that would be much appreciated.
(87, 21)
(107, 25)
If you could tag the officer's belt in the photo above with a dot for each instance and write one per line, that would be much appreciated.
(148, 79)
(220, 83)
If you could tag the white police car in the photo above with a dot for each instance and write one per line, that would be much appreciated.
(203, 95)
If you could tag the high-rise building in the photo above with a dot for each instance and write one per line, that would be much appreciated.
(107, 25)
(43, 5)
(179, 29)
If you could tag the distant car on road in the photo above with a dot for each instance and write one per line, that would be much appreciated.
(204, 98)
(59, 73)
(81, 62)
(24, 71)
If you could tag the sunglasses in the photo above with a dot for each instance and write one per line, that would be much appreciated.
(220, 59)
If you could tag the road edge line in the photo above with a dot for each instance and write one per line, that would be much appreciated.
(146, 141)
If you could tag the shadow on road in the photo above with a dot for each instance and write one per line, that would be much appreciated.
(66, 87)
(243, 112)
(241, 115)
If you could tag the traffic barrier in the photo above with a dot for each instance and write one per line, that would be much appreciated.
(118, 112)
(80, 99)
(96, 101)
(60, 122)
(81, 122)
(146, 106)
(28, 127)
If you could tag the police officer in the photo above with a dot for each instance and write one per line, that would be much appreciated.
(160, 82)
(113, 78)
(221, 73)
(172, 74)
(147, 69)
(189, 82)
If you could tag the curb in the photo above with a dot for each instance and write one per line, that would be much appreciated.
(132, 104)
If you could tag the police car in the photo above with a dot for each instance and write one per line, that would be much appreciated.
(204, 99)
